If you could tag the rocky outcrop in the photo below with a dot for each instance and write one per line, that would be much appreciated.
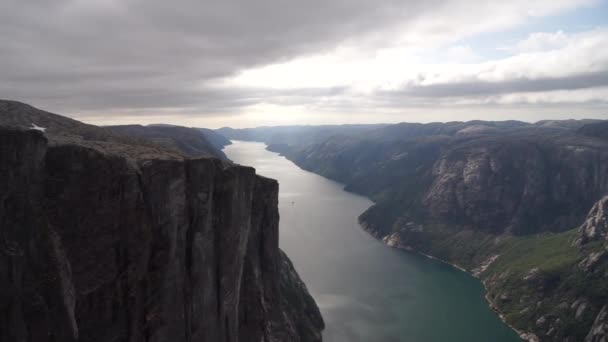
(595, 227)
(111, 241)
(599, 331)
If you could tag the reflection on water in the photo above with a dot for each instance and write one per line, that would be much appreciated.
(366, 291)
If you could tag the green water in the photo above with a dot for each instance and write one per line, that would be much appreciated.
(368, 292)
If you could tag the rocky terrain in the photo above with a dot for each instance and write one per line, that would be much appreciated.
(509, 202)
(105, 237)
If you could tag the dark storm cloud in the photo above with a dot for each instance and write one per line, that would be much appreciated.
(79, 55)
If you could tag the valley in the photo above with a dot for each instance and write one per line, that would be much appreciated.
(505, 201)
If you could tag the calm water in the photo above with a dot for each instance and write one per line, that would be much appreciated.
(366, 291)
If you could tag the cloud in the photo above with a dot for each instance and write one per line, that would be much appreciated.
(206, 58)
(573, 66)
(543, 62)
(509, 86)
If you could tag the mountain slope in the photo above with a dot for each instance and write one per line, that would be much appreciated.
(216, 139)
(190, 141)
(598, 130)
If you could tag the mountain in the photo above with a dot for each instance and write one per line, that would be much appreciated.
(60, 128)
(105, 237)
(406, 130)
(598, 130)
(567, 124)
(502, 200)
(190, 141)
(217, 140)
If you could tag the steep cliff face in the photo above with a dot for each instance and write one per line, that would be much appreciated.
(518, 183)
(113, 242)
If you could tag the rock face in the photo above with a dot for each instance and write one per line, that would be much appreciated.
(599, 331)
(595, 226)
(111, 242)
(595, 229)
(518, 185)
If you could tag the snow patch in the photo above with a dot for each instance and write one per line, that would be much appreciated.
(37, 128)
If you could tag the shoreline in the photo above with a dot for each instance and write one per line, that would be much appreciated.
(389, 242)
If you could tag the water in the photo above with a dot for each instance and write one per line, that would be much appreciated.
(366, 291)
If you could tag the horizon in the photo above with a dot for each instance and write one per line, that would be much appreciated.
(185, 124)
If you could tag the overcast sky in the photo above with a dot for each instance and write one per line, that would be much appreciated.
(246, 63)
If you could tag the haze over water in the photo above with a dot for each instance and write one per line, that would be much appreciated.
(366, 291)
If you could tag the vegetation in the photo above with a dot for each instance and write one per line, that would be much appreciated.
(550, 253)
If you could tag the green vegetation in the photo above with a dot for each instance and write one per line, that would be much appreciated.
(550, 253)
(535, 282)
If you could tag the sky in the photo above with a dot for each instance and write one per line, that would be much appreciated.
(244, 63)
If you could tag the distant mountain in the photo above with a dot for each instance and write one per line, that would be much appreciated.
(404, 131)
(598, 130)
(291, 135)
(217, 140)
(567, 124)
(503, 200)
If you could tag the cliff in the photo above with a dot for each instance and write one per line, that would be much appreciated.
(111, 240)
